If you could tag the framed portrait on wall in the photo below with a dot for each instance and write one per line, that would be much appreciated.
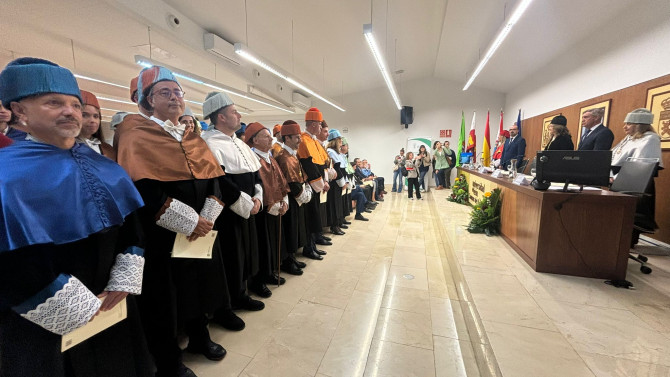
(658, 102)
(546, 135)
(605, 105)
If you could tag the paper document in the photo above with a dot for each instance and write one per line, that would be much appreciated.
(324, 197)
(201, 248)
(101, 322)
(559, 187)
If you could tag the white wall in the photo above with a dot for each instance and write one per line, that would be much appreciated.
(375, 132)
(632, 48)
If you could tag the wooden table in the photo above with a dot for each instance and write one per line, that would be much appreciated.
(581, 234)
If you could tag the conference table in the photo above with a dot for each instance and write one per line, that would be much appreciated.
(584, 233)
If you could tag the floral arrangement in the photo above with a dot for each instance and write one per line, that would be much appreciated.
(459, 191)
(485, 217)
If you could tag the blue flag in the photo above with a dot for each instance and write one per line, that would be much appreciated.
(518, 122)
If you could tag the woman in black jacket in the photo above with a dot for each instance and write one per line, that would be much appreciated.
(560, 136)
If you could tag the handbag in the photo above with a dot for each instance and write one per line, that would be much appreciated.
(403, 171)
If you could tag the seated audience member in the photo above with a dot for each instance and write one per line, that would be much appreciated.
(560, 136)
(364, 173)
(641, 141)
(69, 240)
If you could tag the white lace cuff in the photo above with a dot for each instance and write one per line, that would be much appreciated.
(243, 206)
(305, 196)
(274, 210)
(177, 217)
(341, 182)
(212, 208)
(63, 306)
(317, 186)
(126, 274)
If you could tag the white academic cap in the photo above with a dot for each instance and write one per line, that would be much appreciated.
(214, 102)
(117, 119)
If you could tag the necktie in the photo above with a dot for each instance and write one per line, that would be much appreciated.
(586, 133)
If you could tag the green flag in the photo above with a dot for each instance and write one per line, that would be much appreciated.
(461, 140)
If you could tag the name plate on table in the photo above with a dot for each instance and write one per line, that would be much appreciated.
(521, 180)
(324, 197)
(496, 173)
(201, 248)
(98, 324)
(485, 169)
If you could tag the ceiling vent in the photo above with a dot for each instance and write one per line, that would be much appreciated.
(219, 47)
(301, 101)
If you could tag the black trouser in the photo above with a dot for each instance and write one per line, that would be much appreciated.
(413, 183)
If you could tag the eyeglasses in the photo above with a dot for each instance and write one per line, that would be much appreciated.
(167, 93)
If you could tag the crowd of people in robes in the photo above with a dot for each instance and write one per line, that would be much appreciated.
(180, 227)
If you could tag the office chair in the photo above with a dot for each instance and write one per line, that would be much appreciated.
(634, 178)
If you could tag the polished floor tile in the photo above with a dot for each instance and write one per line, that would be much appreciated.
(408, 277)
(406, 299)
(412, 329)
(454, 358)
(397, 360)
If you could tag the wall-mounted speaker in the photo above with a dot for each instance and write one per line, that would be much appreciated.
(407, 115)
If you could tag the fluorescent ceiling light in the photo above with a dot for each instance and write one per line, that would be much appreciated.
(244, 52)
(100, 81)
(146, 62)
(516, 15)
(116, 100)
(367, 31)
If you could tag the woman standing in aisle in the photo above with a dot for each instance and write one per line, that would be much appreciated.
(412, 166)
(441, 163)
(424, 156)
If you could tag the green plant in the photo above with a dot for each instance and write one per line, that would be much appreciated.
(459, 191)
(485, 216)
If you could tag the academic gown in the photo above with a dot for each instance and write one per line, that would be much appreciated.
(293, 221)
(79, 211)
(177, 291)
(313, 159)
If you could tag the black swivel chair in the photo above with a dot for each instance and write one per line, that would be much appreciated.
(634, 178)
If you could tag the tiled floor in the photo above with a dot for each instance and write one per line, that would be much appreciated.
(411, 293)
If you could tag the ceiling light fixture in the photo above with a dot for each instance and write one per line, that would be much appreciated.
(100, 81)
(516, 15)
(146, 62)
(115, 100)
(381, 63)
(244, 52)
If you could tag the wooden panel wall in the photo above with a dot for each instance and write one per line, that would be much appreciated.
(623, 101)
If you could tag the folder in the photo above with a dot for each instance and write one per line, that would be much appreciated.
(324, 197)
(201, 248)
(98, 324)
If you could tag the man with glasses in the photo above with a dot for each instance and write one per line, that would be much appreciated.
(595, 136)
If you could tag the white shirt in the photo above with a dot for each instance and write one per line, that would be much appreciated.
(289, 149)
(263, 155)
(94, 144)
(231, 152)
(648, 146)
(175, 131)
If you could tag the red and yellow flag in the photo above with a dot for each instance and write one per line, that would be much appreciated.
(472, 139)
(486, 148)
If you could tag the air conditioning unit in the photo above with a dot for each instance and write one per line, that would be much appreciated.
(301, 101)
(219, 47)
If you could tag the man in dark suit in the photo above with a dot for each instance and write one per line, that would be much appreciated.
(595, 136)
(515, 148)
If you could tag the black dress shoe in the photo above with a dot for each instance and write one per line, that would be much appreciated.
(367, 211)
(343, 226)
(345, 222)
(183, 371)
(320, 252)
(323, 242)
(290, 268)
(260, 289)
(360, 217)
(297, 262)
(248, 303)
(335, 230)
(272, 279)
(229, 320)
(326, 238)
(311, 255)
(208, 349)
(380, 199)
